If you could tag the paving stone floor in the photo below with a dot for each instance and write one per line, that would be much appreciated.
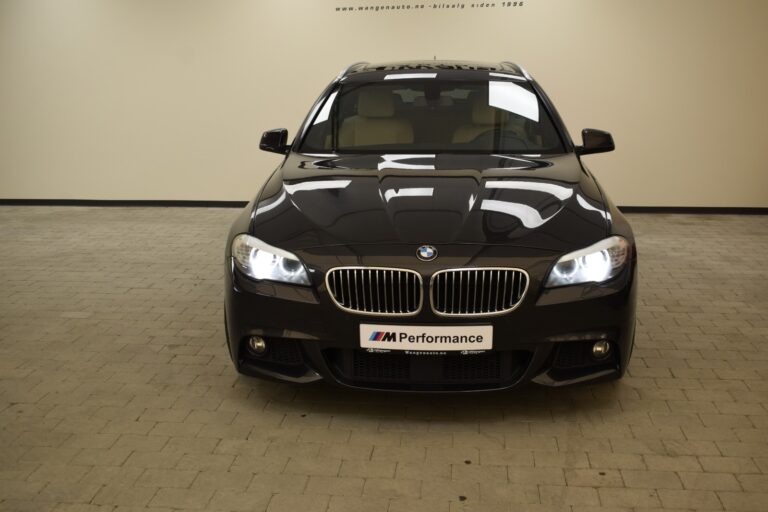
(116, 393)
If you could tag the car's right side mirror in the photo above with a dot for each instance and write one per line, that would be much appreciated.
(275, 141)
(595, 141)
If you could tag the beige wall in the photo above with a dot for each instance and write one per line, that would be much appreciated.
(166, 99)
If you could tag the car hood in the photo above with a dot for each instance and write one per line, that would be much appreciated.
(321, 200)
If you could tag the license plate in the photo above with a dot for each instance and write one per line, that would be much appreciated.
(426, 338)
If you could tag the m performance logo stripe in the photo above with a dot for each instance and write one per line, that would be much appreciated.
(383, 336)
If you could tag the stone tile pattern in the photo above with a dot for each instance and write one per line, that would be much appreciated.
(116, 392)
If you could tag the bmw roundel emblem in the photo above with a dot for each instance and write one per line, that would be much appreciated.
(426, 253)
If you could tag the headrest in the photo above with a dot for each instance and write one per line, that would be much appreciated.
(483, 113)
(443, 101)
(375, 103)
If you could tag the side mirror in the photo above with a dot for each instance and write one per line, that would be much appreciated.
(595, 141)
(275, 141)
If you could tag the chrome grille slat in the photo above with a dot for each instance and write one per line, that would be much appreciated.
(349, 288)
(387, 305)
(482, 291)
(453, 293)
(406, 302)
(399, 293)
(477, 291)
(370, 291)
(504, 291)
(357, 298)
(375, 291)
(466, 303)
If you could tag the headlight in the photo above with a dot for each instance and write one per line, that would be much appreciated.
(594, 264)
(262, 261)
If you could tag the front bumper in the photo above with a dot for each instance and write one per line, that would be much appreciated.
(547, 339)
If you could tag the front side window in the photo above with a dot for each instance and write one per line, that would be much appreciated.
(428, 115)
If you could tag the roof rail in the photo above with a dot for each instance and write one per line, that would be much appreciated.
(519, 68)
(346, 70)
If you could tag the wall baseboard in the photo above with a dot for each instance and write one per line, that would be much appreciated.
(123, 202)
(730, 210)
(727, 210)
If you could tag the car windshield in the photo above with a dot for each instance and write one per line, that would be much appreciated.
(427, 115)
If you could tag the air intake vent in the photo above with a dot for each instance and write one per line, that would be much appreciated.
(375, 291)
(478, 291)
(429, 372)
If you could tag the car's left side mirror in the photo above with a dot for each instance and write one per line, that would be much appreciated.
(275, 141)
(595, 141)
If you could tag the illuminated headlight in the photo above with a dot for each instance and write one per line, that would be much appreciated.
(262, 261)
(594, 264)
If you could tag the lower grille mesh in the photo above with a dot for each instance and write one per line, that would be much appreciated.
(285, 352)
(472, 368)
(373, 366)
(429, 371)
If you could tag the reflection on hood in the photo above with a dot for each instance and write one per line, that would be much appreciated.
(418, 199)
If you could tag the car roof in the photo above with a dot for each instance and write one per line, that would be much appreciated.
(376, 71)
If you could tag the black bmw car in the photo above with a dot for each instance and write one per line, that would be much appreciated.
(432, 227)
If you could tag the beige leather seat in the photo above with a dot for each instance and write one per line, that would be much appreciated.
(484, 120)
(374, 123)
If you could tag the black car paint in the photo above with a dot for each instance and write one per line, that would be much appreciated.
(360, 212)
(351, 220)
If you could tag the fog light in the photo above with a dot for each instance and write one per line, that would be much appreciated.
(257, 344)
(601, 349)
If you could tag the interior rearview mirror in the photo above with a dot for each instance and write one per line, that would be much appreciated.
(595, 141)
(275, 141)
